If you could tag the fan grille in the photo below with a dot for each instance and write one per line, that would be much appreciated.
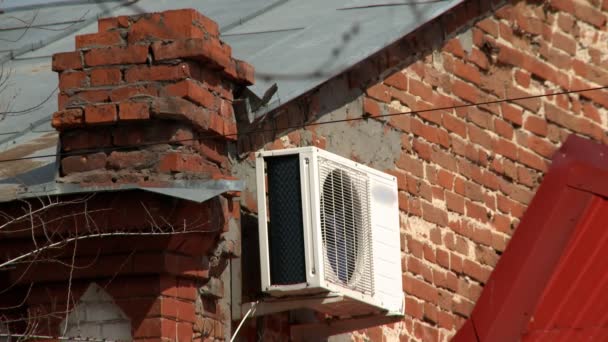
(346, 226)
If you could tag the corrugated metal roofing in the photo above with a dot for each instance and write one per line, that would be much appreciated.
(296, 44)
(549, 284)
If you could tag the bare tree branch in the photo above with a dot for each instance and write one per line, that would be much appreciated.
(69, 296)
(60, 338)
(22, 302)
(96, 236)
(28, 25)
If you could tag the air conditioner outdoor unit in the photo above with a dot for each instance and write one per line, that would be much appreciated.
(328, 225)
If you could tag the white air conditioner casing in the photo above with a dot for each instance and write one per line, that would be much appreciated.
(329, 225)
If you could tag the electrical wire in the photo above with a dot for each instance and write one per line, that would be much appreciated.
(218, 136)
(236, 332)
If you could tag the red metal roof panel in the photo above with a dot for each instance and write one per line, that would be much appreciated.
(549, 282)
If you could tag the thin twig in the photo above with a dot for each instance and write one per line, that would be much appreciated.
(67, 304)
(95, 236)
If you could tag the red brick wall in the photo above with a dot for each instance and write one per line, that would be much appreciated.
(154, 279)
(467, 175)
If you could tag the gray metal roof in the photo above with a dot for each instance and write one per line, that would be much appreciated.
(296, 44)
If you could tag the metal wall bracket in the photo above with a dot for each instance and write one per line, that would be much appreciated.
(275, 305)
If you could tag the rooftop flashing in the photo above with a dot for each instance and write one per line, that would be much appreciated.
(191, 190)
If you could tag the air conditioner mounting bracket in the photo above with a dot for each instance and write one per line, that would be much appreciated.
(269, 306)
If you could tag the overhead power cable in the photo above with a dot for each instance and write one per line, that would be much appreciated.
(252, 132)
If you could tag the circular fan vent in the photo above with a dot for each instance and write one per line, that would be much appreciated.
(341, 224)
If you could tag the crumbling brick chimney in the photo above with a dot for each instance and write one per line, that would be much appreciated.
(148, 98)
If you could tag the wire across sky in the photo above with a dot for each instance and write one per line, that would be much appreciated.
(311, 124)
